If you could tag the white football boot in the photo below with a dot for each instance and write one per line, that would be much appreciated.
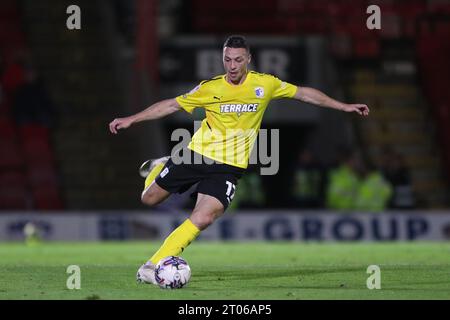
(148, 165)
(146, 273)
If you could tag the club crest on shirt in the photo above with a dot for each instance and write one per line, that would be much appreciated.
(259, 91)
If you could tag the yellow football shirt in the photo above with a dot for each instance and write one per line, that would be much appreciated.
(233, 114)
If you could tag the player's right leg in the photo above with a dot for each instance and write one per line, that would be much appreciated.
(153, 193)
(151, 168)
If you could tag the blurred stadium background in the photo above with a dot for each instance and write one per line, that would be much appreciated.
(62, 170)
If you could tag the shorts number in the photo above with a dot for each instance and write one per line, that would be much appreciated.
(230, 191)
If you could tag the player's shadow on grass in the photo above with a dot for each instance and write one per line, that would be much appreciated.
(419, 286)
(267, 273)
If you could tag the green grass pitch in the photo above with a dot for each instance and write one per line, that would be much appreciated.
(231, 270)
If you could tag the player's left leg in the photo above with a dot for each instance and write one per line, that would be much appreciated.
(214, 195)
(206, 211)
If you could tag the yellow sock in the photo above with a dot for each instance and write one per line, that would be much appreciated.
(153, 174)
(177, 241)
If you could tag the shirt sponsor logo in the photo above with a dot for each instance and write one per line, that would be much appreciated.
(239, 108)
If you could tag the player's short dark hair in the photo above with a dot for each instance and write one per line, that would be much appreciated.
(237, 41)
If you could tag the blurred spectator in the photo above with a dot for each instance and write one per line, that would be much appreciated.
(308, 187)
(31, 102)
(357, 185)
(249, 191)
(397, 173)
(343, 181)
(373, 192)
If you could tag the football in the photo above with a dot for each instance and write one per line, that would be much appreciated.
(172, 273)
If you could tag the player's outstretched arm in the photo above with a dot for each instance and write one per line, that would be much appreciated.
(316, 97)
(155, 111)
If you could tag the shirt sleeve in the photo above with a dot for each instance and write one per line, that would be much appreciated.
(191, 100)
(283, 89)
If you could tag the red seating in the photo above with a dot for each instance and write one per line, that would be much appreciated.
(303, 16)
(10, 33)
(312, 24)
(41, 174)
(410, 10)
(13, 191)
(9, 12)
(366, 47)
(10, 179)
(37, 151)
(295, 7)
(354, 26)
(10, 155)
(33, 132)
(433, 51)
(27, 173)
(439, 7)
(47, 198)
(14, 199)
(8, 128)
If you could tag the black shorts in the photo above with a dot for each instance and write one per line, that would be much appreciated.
(218, 180)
